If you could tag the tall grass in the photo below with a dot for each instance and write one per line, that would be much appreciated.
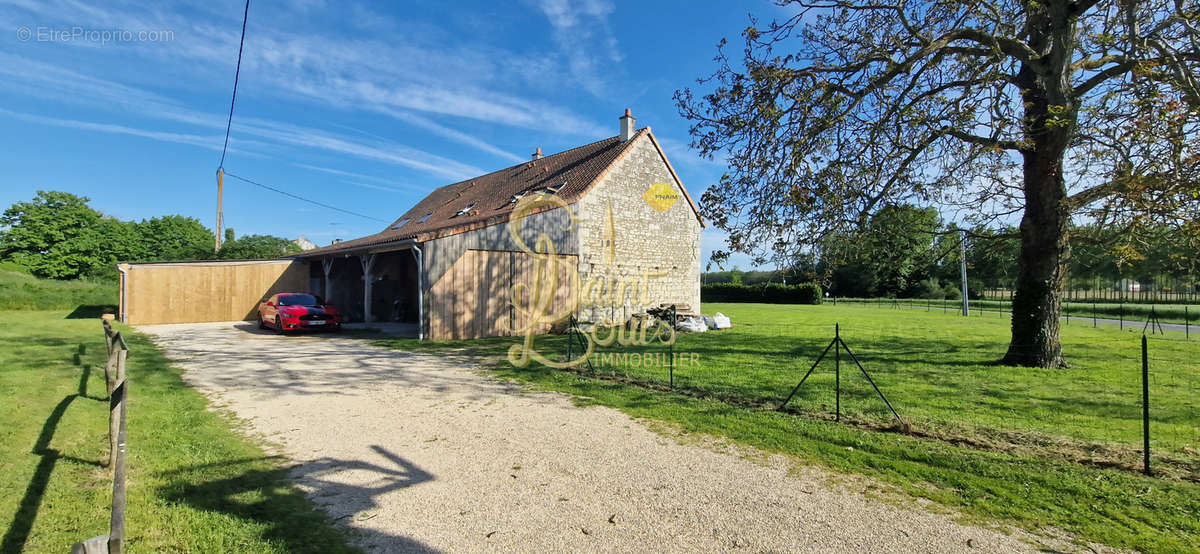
(22, 291)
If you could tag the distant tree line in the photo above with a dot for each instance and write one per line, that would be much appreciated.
(907, 252)
(58, 235)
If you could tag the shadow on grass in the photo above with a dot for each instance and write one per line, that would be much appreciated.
(91, 311)
(262, 492)
(27, 510)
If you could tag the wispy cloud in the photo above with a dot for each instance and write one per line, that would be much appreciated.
(379, 182)
(82, 88)
(202, 141)
(583, 35)
(452, 134)
(436, 75)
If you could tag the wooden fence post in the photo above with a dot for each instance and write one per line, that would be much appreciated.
(116, 529)
(114, 405)
(118, 396)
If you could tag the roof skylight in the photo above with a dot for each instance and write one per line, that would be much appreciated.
(400, 224)
(424, 217)
(465, 210)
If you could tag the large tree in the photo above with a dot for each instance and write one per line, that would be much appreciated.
(57, 235)
(1050, 110)
(175, 237)
(252, 247)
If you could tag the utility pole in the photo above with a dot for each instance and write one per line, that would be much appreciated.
(220, 193)
(962, 249)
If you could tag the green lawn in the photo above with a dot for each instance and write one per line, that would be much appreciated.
(1029, 447)
(195, 484)
(938, 371)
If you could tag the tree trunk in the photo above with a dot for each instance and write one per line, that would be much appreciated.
(1045, 252)
(1050, 119)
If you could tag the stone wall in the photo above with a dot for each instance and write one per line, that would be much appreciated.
(640, 239)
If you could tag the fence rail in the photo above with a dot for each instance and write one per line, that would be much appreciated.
(118, 396)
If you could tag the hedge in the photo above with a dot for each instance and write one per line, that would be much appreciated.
(767, 293)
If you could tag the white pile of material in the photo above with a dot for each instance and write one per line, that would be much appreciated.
(691, 325)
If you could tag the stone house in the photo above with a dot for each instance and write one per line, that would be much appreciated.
(449, 264)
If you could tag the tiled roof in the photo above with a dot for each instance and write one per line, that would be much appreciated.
(490, 197)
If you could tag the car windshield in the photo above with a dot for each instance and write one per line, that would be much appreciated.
(299, 300)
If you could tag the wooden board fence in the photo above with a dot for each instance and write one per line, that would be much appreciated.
(192, 292)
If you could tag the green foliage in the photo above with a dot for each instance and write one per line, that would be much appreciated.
(175, 237)
(57, 235)
(899, 244)
(767, 293)
(929, 289)
(251, 247)
(755, 277)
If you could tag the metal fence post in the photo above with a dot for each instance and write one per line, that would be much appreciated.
(671, 347)
(837, 371)
(1145, 408)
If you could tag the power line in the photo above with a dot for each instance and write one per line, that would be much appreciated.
(303, 199)
(237, 73)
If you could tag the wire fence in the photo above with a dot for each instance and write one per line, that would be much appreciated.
(1159, 289)
(939, 381)
(1181, 319)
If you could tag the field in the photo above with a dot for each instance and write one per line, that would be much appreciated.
(22, 291)
(939, 373)
(1036, 448)
(195, 484)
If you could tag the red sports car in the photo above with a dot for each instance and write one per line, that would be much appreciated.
(292, 311)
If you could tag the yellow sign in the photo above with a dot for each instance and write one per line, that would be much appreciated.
(661, 196)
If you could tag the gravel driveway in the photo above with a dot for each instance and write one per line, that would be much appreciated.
(418, 452)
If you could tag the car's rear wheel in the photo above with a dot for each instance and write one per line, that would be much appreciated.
(278, 325)
(261, 324)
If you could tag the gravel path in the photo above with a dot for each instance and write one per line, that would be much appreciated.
(417, 452)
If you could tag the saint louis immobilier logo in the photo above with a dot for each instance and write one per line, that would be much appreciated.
(540, 302)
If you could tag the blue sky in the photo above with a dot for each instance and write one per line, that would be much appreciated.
(366, 107)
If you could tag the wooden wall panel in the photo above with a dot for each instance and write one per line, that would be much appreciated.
(193, 292)
(472, 298)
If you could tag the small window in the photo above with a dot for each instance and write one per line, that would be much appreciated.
(465, 210)
(517, 197)
(554, 189)
(424, 217)
(400, 224)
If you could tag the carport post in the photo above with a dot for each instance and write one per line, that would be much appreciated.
(416, 252)
(327, 267)
(368, 262)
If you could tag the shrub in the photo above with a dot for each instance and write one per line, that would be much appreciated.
(929, 289)
(951, 292)
(767, 293)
